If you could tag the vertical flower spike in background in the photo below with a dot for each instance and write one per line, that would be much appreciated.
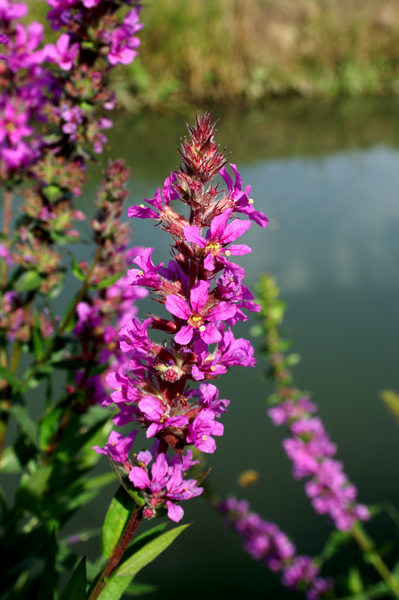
(204, 293)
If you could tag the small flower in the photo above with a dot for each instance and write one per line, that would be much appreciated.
(198, 318)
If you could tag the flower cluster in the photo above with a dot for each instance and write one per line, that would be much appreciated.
(101, 315)
(65, 102)
(204, 295)
(309, 447)
(311, 452)
(266, 542)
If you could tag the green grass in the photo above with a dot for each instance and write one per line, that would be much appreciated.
(243, 51)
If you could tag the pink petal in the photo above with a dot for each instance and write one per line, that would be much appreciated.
(239, 249)
(184, 336)
(211, 335)
(199, 295)
(234, 230)
(192, 234)
(178, 307)
(221, 312)
(219, 224)
(208, 262)
(139, 478)
(175, 513)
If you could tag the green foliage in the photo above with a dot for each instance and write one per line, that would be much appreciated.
(76, 586)
(128, 569)
(119, 512)
(48, 581)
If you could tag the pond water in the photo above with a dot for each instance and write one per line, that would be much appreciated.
(328, 178)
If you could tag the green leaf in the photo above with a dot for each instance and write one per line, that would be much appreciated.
(52, 192)
(139, 589)
(76, 269)
(107, 281)
(150, 551)
(121, 507)
(115, 587)
(334, 542)
(49, 426)
(11, 379)
(76, 586)
(29, 427)
(38, 341)
(355, 582)
(47, 584)
(28, 282)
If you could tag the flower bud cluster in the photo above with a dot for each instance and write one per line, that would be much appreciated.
(101, 315)
(266, 542)
(204, 295)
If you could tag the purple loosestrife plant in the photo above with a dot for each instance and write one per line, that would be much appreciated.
(204, 294)
(309, 447)
(266, 542)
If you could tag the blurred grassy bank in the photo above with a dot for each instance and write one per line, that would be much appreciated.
(244, 51)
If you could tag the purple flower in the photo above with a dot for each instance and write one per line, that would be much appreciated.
(200, 431)
(165, 487)
(148, 273)
(240, 200)
(266, 542)
(219, 235)
(134, 337)
(118, 447)
(157, 415)
(10, 11)
(63, 53)
(196, 316)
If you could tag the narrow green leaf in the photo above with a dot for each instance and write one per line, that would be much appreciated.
(115, 587)
(107, 281)
(139, 589)
(76, 268)
(121, 507)
(355, 582)
(10, 378)
(47, 584)
(76, 586)
(334, 542)
(150, 551)
(49, 426)
(37, 338)
(29, 427)
(29, 281)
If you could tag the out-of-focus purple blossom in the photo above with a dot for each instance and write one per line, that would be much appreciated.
(63, 53)
(310, 450)
(266, 542)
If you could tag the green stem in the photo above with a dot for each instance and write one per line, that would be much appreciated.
(7, 209)
(118, 552)
(366, 545)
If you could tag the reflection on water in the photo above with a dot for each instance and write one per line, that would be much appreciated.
(328, 178)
